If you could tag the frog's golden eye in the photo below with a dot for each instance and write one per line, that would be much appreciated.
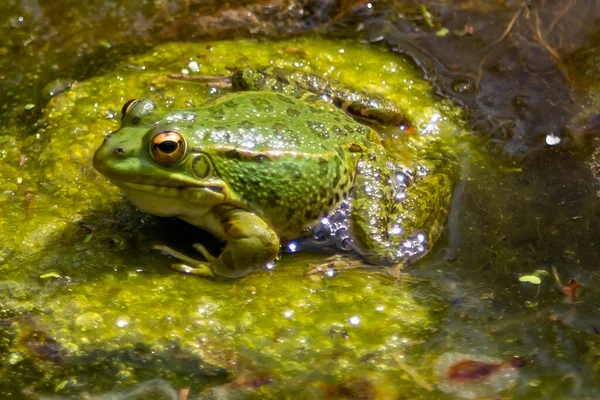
(167, 147)
(128, 106)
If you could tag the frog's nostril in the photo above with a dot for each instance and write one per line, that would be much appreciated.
(120, 150)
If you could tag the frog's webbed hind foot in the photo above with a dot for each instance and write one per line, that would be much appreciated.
(189, 266)
(338, 263)
(334, 264)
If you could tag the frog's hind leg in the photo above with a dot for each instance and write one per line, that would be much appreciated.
(367, 107)
(396, 218)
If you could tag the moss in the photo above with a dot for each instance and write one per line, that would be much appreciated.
(114, 297)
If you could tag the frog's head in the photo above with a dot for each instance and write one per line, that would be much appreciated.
(151, 159)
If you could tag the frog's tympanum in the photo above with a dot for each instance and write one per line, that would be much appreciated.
(283, 154)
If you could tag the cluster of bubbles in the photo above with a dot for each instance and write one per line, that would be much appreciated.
(335, 228)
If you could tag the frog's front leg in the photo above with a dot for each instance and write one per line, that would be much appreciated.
(396, 221)
(251, 244)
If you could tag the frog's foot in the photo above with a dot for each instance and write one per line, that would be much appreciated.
(189, 265)
(338, 263)
(335, 264)
(219, 81)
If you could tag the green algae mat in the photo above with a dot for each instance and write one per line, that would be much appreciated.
(88, 309)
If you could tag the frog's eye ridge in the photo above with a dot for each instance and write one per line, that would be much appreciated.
(167, 147)
(128, 106)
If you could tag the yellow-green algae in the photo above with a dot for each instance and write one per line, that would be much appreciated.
(115, 296)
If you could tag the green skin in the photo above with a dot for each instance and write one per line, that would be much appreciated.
(260, 166)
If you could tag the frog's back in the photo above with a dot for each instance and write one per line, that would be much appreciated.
(274, 121)
(288, 160)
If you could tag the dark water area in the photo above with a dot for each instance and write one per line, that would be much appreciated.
(525, 216)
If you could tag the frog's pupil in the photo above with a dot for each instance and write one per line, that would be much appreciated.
(168, 146)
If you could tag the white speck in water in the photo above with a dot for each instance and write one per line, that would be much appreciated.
(330, 272)
(380, 308)
(185, 71)
(355, 320)
(292, 247)
(270, 265)
(396, 230)
(369, 5)
(288, 313)
(193, 66)
(122, 322)
(342, 51)
(552, 140)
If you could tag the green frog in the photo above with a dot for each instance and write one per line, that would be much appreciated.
(283, 155)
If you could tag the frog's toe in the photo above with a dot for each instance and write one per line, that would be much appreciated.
(202, 250)
(200, 269)
(337, 263)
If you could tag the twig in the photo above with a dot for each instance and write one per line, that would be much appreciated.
(498, 40)
(416, 377)
(561, 14)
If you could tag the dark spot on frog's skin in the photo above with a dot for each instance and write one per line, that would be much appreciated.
(120, 150)
(309, 215)
(355, 148)
(279, 127)
(316, 110)
(216, 113)
(262, 105)
(233, 154)
(260, 157)
(290, 215)
(337, 197)
(292, 112)
(230, 103)
(285, 98)
(331, 201)
(135, 120)
(246, 125)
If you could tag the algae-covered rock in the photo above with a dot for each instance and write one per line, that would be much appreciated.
(87, 306)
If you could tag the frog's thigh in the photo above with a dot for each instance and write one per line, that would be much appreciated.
(250, 244)
(392, 227)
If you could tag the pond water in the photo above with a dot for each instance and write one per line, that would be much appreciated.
(502, 307)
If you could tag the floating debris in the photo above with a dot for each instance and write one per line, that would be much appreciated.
(472, 376)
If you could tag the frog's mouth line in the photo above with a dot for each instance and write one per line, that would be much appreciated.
(199, 194)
